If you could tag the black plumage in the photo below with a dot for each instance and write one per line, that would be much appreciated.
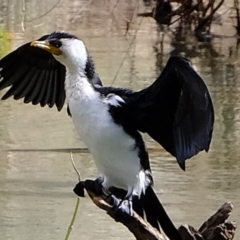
(30, 72)
(176, 110)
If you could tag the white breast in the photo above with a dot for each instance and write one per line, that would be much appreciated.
(113, 150)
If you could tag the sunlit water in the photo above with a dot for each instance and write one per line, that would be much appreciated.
(36, 199)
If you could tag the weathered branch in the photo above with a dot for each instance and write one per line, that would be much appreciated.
(214, 228)
(135, 224)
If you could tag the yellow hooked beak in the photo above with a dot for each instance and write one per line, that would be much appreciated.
(46, 46)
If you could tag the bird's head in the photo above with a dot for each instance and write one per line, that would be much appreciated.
(65, 48)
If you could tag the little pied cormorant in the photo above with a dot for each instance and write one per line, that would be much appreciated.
(176, 111)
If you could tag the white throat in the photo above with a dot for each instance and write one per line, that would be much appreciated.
(78, 87)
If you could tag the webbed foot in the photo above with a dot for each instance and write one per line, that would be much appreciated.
(79, 189)
(122, 209)
(94, 186)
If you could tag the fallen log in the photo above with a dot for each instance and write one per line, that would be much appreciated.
(215, 227)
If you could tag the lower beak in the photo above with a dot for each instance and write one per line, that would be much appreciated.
(46, 46)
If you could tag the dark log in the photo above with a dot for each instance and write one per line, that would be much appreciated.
(214, 228)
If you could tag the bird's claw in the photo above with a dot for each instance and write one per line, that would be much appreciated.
(93, 186)
(79, 189)
(122, 209)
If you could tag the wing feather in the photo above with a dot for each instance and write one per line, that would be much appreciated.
(34, 95)
(39, 89)
(176, 110)
(33, 74)
(25, 86)
(60, 96)
(52, 99)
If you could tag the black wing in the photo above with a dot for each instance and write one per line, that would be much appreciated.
(176, 110)
(33, 74)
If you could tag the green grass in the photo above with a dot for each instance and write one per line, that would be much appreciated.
(5, 42)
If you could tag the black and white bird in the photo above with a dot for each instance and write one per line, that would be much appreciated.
(176, 111)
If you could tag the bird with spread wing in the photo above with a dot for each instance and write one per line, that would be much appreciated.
(176, 111)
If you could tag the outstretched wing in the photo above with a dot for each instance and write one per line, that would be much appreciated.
(33, 74)
(176, 110)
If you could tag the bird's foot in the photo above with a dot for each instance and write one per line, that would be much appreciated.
(94, 186)
(122, 209)
(79, 189)
(99, 190)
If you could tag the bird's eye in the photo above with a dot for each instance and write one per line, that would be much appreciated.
(56, 43)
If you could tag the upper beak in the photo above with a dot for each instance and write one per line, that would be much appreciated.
(46, 46)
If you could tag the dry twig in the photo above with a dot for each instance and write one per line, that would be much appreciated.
(77, 203)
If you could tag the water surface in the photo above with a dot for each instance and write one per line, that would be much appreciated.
(36, 199)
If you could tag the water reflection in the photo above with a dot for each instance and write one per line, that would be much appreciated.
(35, 187)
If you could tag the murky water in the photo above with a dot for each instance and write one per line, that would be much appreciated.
(36, 199)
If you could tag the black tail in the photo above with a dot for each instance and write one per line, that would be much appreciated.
(155, 213)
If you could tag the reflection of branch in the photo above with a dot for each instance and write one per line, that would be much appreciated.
(127, 51)
(24, 15)
(114, 11)
(80, 11)
(31, 20)
(236, 6)
(209, 17)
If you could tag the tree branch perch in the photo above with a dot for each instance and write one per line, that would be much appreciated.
(214, 228)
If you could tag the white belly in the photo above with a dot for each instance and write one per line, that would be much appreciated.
(113, 150)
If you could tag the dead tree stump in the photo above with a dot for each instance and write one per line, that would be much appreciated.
(215, 228)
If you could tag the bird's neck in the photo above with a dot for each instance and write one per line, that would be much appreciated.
(79, 77)
(77, 85)
(83, 66)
